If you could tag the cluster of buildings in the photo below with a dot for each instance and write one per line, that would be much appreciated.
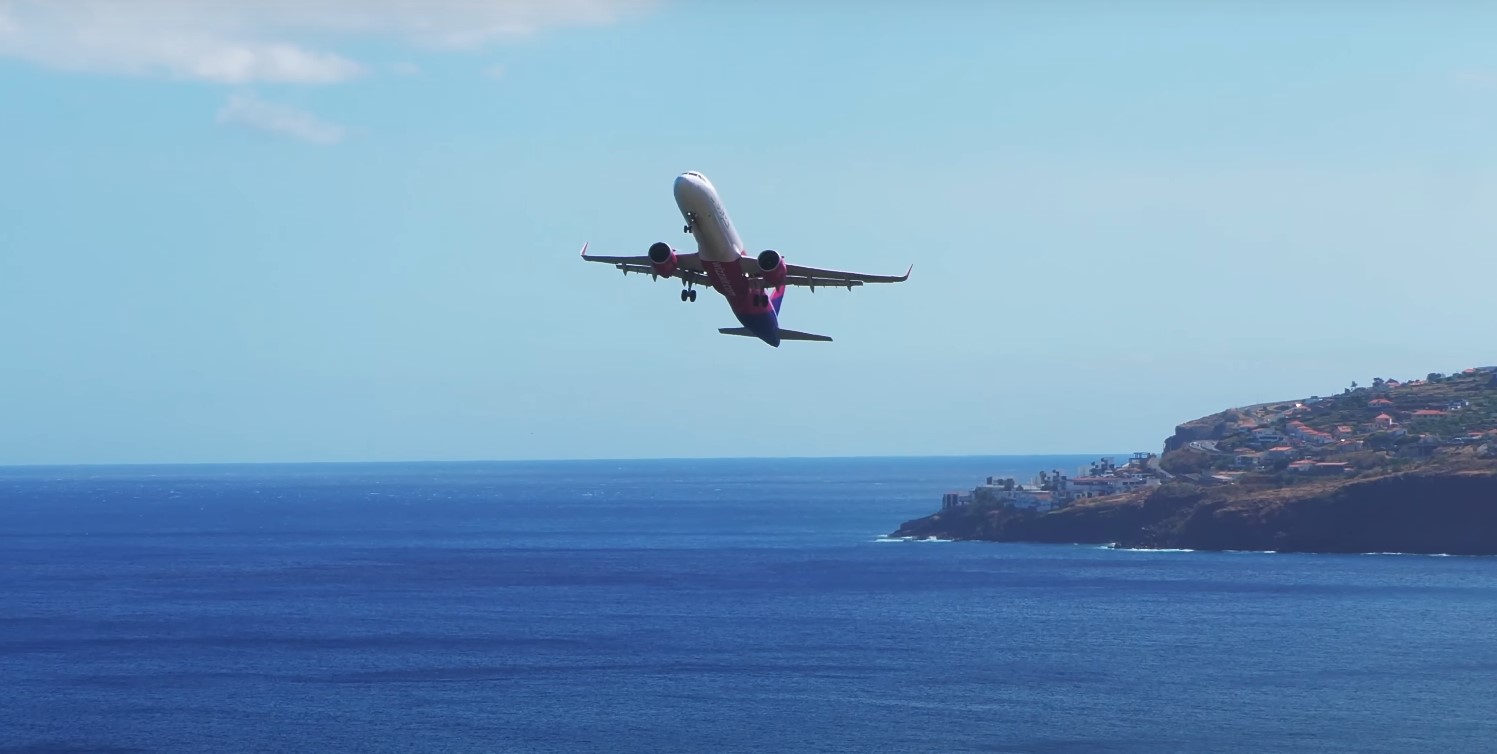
(1054, 489)
(1266, 446)
(1278, 437)
(1270, 440)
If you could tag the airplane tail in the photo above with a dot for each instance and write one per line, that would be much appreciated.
(784, 334)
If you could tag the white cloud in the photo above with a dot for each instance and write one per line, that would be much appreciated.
(252, 112)
(281, 41)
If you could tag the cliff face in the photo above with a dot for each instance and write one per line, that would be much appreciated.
(1207, 428)
(1413, 512)
(1452, 513)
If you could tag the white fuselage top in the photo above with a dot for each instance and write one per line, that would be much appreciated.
(717, 241)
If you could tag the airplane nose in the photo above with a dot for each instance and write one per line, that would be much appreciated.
(687, 188)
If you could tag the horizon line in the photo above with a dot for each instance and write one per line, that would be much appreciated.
(130, 464)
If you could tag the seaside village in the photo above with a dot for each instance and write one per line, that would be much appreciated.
(1387, 425)
(1054, 489)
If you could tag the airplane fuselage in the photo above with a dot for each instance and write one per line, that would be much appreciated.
(721, 252)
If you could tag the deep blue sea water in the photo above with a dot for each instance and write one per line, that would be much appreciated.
(690, 606)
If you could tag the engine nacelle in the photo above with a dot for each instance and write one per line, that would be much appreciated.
(663, 259)
(771, 268)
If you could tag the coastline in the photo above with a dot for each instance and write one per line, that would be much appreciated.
(1425, 513)
(1401, 467)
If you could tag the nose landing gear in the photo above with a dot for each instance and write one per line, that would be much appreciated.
(688, 294)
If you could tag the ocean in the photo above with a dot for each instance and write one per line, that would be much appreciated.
(690, 606)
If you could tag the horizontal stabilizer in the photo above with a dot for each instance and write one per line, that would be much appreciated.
(784, 334)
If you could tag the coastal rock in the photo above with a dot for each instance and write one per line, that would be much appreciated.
(1450, 513)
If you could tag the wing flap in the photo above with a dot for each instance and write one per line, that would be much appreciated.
(839, 277)
(815, 277)
(688, 266)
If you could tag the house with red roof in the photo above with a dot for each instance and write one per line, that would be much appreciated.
(1279, 453)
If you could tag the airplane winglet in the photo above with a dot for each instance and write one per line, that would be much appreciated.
(584, 249)
(907, 272)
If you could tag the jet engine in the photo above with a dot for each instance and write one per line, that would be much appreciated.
(663, 259)
(772, 268)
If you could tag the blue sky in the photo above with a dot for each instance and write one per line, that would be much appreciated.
(344, 230)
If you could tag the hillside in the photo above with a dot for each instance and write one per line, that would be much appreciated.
(1391, 467)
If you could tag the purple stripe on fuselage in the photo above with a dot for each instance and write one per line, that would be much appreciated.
(742, 293)
(761, 323)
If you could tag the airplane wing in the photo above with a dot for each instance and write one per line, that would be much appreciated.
(814, 278)
(688, 266)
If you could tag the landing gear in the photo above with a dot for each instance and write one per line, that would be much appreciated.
(691, 222)
(688, 294)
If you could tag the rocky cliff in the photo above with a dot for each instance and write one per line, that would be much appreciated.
(1413, 512)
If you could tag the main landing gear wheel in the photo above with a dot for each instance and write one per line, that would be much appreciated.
(688, 295)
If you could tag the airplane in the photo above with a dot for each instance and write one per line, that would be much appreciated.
(753, 286)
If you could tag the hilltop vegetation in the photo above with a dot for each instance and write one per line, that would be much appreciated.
(1387, 427)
